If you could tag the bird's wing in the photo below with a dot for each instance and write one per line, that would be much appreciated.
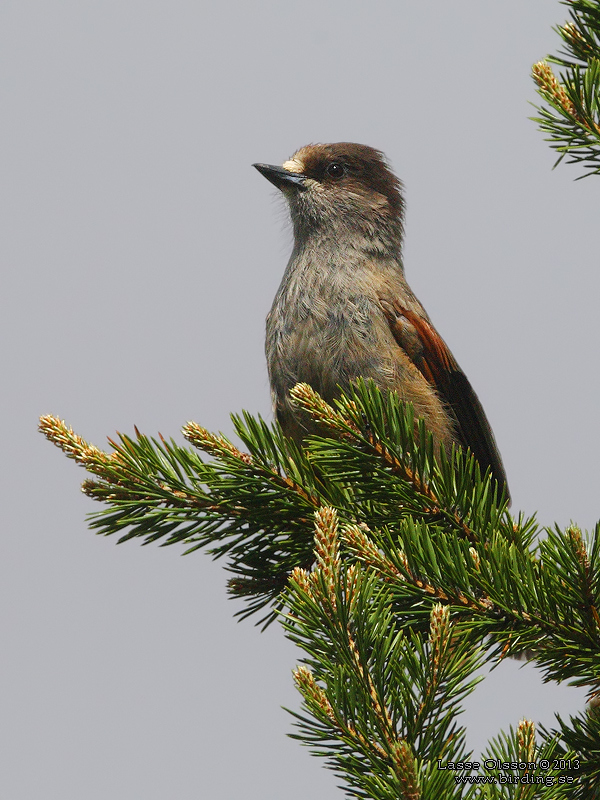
(430, 354)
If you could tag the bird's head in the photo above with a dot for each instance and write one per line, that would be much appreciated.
(342, 187)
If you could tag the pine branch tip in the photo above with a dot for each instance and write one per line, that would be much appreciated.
(73, 446)
(327, 548)
(212, 443)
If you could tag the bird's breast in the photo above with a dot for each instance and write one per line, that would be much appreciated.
(325, 332)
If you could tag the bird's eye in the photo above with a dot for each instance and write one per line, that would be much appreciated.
(336, 170)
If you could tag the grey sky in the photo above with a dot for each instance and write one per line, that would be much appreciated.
(140, 255)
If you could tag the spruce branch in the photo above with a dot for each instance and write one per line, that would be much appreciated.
(519, 598)
(382, 705)
(256, 507)
(239, 504)
(571, 116)
(396, 569)
(536, 766)
(578, 740)
(380, 439)
(464, 550)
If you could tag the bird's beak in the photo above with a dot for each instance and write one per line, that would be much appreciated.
(280, 177)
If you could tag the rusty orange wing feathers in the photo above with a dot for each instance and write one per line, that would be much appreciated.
(431, 356)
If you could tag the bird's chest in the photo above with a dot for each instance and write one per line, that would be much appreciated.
(322, 332)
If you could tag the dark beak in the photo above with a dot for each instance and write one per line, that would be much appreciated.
(280, 177)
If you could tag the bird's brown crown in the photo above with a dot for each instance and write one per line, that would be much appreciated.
(350, 169)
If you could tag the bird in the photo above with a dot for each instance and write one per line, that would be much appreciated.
(345, 311)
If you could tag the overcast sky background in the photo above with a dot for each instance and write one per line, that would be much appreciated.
(140, 255)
